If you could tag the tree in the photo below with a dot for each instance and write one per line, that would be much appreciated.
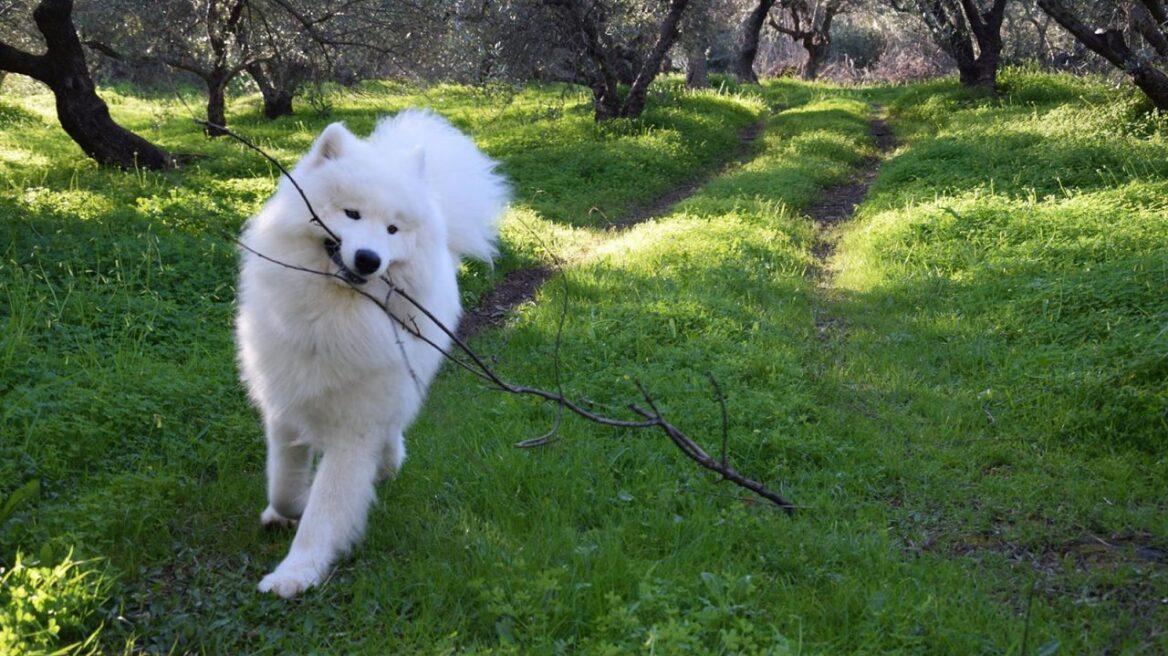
(206, 38)
(278, 79)
(751, 26)
(695, 41)
(808, 23)
(969, 31)
(1149, 18)
(82, 113)
(279, 43)
(602, 59)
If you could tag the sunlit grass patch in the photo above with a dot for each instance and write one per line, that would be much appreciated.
(1003, 291)
(50, 607)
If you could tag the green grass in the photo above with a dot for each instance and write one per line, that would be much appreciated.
(988, 410)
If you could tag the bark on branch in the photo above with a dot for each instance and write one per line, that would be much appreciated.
(1110, 45)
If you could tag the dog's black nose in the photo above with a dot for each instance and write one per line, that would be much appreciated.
(366, 262)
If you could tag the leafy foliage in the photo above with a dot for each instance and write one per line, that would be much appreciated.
(48, 607)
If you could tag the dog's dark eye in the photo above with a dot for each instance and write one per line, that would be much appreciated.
(391, 229)
(353, 214)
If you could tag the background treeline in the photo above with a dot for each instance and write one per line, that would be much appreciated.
(287, 48)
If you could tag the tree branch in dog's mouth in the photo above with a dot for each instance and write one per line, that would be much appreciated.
(333, 248)
(476, 364)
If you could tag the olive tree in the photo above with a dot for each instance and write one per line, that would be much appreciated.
(603, 45)
(82, 113)
(1146, 64)
(969, 31)
(808, 23)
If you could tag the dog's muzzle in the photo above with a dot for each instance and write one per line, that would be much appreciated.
(348, 275)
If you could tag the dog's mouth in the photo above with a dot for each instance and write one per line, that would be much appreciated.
(348, 275)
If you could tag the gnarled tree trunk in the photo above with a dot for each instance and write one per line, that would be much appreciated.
(277, 97)
(957, 25)
(82, 113)
(697, 68)
(607, 60)
(216, 104)
(635, 102)
(809, 24)
(751, 26)
(1110, 45)
(695, 40)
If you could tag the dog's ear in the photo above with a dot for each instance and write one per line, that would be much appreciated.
(331, 143)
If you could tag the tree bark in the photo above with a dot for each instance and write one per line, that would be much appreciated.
(635, 102)
(1110, 45)
(751, 26)
(956, 25)
(696, 40)
(817, 52)
(810, 27)
(277, 100)
(82, 113)
(697, 69)
(987, 31)
(981, 73)
(216, 105)
(606, 101)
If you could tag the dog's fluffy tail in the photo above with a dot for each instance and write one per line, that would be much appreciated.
(468, 190)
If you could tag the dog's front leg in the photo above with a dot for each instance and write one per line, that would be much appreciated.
(334, 518)
(289, 475)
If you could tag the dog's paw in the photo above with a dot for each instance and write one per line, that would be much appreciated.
(272, 519)
(392, 457)
(290, 579)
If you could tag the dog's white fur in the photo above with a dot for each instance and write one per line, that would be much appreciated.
(330, 372)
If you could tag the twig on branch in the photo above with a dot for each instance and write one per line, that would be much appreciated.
(475, 364)
(222, 129)
(553, 434)
(651, 419)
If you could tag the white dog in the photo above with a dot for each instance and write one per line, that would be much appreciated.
(331, 373)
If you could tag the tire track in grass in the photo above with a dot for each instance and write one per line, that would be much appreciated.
(520, 285)
(835, 206)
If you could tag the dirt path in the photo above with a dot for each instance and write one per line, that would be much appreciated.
(836, 205)
(520, 285)
(661, 205)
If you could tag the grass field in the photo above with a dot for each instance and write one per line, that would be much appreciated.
(969, 405)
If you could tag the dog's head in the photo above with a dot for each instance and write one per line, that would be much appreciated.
(374, 204)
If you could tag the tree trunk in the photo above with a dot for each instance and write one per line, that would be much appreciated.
(818, 44)
(635, 102)
(816, 55)
(277, 101)
(1154, 84)
(987, 31)
(1110, 45)
(83, 114)
(278, 104)
(608, 60)
(981, 73)
(605, 101)
(744, 64)
(216, 105)
(697, 72)
(957, 26)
